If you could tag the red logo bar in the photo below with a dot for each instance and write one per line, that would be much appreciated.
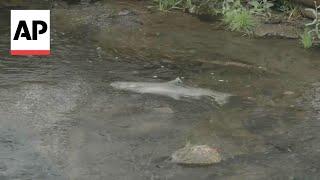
(30, 52)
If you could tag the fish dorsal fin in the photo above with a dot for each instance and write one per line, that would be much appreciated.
(177, 81)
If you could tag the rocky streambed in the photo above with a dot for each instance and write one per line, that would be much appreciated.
(61, 118)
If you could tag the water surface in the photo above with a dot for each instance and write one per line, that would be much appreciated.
(61, 119)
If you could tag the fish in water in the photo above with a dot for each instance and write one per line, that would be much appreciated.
(174, 89)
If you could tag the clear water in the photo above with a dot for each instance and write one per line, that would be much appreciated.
(60, 119)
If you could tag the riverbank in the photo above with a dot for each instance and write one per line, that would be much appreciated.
(266, 19)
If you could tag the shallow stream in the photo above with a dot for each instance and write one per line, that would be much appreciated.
(61, 119)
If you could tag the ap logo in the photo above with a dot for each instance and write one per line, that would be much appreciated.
(30, 32)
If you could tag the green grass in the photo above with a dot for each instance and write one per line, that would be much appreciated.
(306, 40)
(165, 5)
(188, 4)
(240, 20)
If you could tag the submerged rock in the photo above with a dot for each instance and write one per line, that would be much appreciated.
(196, 155)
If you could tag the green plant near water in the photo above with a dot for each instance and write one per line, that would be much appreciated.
(188, 4)
(237, 17)
(312, 31)
(208, 7)
(230, 5)
(306, 40)
(260, 7)
(165, 5)
(314, 25)
(289, 7)
(241, 21)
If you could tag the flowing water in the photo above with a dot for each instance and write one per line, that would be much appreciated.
(61, 119)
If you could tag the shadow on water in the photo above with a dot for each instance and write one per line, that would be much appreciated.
(78, 127)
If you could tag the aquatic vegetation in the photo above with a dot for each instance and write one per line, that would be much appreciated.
(306, 40)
